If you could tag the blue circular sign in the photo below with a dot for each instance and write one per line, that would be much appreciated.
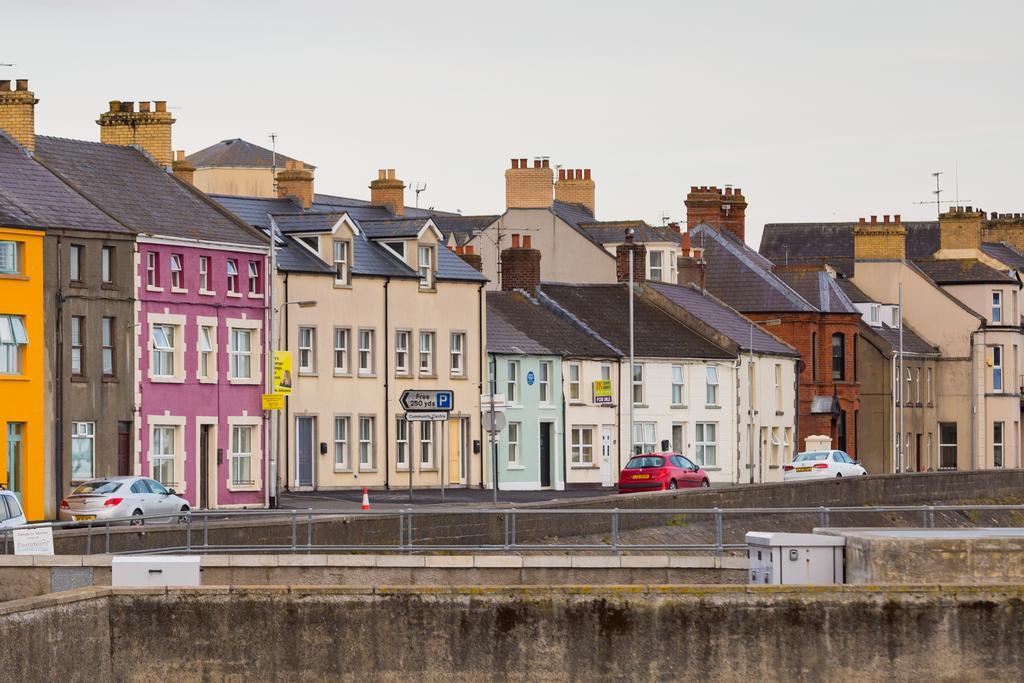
(530, 377)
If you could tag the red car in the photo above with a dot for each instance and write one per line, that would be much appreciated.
(660, 472)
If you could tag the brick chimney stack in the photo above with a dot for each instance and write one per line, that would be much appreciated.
(885, 241)
(469, 255)
(388, 191)
(149, 128)
(574, 186)
(18, 113)
(960, 228)
(520, 266)
(296, 182)
(721, 209)
(182, 169)
(529, 188)
(639, 260)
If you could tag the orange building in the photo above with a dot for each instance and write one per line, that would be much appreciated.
(22, 379)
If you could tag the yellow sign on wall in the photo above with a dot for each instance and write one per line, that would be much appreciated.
(273, 401)
(602, 391)
(282, 372)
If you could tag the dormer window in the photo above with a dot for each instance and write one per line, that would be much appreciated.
(656, 268)
(341, 261)
(426, 267)
(873, 314)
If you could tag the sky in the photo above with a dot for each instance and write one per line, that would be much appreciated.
(819, 111)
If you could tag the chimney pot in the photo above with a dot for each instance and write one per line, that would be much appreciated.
(968, 209)
(515, 163)
(179, 155)
(515, 240)
(693, 188)
(21, 84)
(144, 106)
(885, 218)
(728, 192)
(128, 107)
(561, 174)
(5, 86)
(874, 219)
(545, 163)
(862, 221)
(470, 249)
(527, 242)
(586, 174)
(522, 163)
(536, 163)
(161, 105)
(382, 174)
(896, 218)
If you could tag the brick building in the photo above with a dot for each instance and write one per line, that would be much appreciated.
(803, 306)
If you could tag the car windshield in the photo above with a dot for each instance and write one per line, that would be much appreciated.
(807, 457)
(643, 461)
(98, 487)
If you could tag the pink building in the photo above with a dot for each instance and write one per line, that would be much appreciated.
(201, 364)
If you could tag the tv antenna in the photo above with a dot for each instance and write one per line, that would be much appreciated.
(664, 218)
(3, 64)
(418, 187)
(939, 201)
(273, 160)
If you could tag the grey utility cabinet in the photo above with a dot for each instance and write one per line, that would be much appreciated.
(785, 558)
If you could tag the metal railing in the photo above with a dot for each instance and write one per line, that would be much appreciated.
(197, 527)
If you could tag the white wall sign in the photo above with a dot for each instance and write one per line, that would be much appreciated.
(37, 541)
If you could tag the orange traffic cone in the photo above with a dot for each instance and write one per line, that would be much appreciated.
(366, 499)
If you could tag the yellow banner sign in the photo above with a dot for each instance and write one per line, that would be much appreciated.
(282, 372)
(602, 391)
(273, 402)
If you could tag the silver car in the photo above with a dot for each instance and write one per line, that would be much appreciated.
(136, 500)
(11, 513)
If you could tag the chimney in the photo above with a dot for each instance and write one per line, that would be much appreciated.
(639, 261)
(182, 169)
(469, 255)
(574, 186)
(149, 128)
(520, 266)
(885, 241)
(960, 228)
(722, 210)
(529, 188)
(388, 191)
(296, 182)
(18, 113)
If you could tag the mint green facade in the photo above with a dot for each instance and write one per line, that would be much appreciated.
(531, 452)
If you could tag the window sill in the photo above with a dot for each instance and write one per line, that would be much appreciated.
(14, 276)
(342, 470)
(342, 374)
(167, 380)
(641, 405)
(780, 413)
(151, 288)
(206, 380)
(79, 379)
(78, 284)
(308, 373)
(585, 467)
(238, 489)
(234, 295)
(14, 378)
(244, 382)
(712, 407)
(773, 467)
(515, 468)
(110, 379)
(403, 375)
(207, 292)
(460, 377)
(108, 286)
(368, 375)
(712, 469)
(178, 290)
(368, 470)
(678, 406)
(426, 376)
(342, 285)
(428, 290)
(424, 468)
(255, 296)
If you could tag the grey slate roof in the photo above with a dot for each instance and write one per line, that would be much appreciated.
(464, 228)
(741, 277)
(575, 215)
(1005, 253)
(614, 232)
(723, 318)
(517, 324)
(254, 210)
(913, 343)
(292, 257)
(819, 288)
(853, 292)
(391, 228)
(603, 309)
(139, 194)
(32, 195)
(832, 243)
(306, 222)
(451, 267)
(372, 260)
(237, 153)
(961, 271)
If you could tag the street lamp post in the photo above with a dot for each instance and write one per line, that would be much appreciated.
(632, 358)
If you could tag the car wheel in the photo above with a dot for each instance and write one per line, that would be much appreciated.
(183, 517)
(672, 485)
(137, 519)
(705, 484)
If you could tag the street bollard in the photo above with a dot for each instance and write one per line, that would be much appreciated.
(718, 532)
(615, 531)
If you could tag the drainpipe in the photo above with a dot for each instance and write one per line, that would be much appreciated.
(480, 340)
(892, 417)
(387, 396)
(974, 396)
(287, 401)
(58, 469)
(565, 467)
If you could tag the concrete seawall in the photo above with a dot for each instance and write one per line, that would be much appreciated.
(442, 528)
(709, 633)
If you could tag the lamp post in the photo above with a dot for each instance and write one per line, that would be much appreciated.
(750, 396)
(632, 359)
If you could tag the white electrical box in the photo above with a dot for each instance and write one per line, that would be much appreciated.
(154, 570)
(784, 558)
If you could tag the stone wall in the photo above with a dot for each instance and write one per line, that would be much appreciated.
(710, 633)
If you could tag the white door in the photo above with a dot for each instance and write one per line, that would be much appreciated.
(607, 473)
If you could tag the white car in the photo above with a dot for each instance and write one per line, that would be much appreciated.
(134, 499)
(822, 465)
(11, 514)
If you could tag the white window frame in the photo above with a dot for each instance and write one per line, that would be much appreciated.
(152, 270)
(679, 385)
(366, 351)
(106, 265)
(458, 354)
(238, 357)
(307, 349)
(656, 271)
(425, 266)
(929, 379)
(206, 349)
(342, 344)
(367, 450)
(575, 381)
(426, 449)
(711, 397)
(341, 261)
(204, 274)
(77, 334)
(402, 338)
(638, 384)
(997, 369)
(544, 370)
(997, 307)
(13, 339)
(163, 360)
(342, 443)
(242, 455)
(253, 272)
(645, 437)
(515, 432)
(512, 382)
(159, 460)
(426, 354)
(75, 262)
(998, 451)
(10, 257)
(778, 386)
(705, 449)
(107, 327)
(84, 433)
(177, 273)
(402, 443)
(231, 271)
(582, 451)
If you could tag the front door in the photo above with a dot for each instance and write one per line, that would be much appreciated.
(15, 455)
(454, 444)
(606, 455)
(304, 451)
(465, 447)
(545, 454)
(917, 452)
(204, 466)
(124, 449)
